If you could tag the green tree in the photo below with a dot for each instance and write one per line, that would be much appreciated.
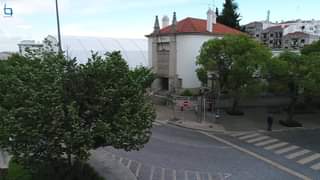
(238, 60)
(313, 48)
(229, 15)
(53, 110)
(296, 75)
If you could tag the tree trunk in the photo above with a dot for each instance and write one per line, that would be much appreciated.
(69, 158)
(235, 104)
(291, 108)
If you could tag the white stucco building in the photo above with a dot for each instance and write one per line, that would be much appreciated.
(173, 50)
(5, 55)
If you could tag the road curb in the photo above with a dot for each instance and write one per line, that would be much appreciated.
(197, 129)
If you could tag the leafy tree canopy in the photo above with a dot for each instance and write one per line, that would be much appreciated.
(229, 15)
(238, 60)
(296, 75)
(313, 48)
(54, 110)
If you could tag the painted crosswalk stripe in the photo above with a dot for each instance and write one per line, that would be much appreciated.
(297, 154)
(138, 170)
(198, 176)
(266, 142)
(209, 176)
(151, 173)
(316, 167)
(174, 175)
(129, 164)
(163, 173)
(249, 136)
(239, 134)
(257, 139)
(309, 159)
(186, 175)
(287, 149)
(274, 146)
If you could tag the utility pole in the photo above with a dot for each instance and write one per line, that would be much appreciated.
(58, 26)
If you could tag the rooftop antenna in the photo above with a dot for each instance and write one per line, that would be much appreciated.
(268, 16)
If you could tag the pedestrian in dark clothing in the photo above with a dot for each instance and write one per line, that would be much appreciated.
(270, 121)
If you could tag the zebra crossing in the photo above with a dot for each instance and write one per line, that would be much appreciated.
(151, 172)
(289, 151)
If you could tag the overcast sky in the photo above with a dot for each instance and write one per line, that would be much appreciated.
(34, 19)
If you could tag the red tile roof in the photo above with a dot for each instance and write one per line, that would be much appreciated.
(193, 25)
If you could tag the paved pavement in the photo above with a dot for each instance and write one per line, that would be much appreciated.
(179, 154)
(253, 120)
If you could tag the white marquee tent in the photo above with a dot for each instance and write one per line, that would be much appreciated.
(134, 51)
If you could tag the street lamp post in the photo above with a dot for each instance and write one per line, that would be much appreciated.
(58, 26)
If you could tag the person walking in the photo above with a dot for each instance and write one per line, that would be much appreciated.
(270, 121)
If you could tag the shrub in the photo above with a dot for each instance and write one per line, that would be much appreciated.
(17, 172)
(186, 92)
(57, 171)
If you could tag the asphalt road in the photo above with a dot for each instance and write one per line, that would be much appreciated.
(180, 154)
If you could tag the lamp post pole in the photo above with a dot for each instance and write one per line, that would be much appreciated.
(58, 26)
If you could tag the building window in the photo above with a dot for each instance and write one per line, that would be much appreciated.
(271, 41)
(257, 35)
(271, 35)
(303, 41)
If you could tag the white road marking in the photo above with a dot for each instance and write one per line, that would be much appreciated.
(257, 139)
(174, 175)
(266, 142)
(151, 173)
(275, 164)
(226, 176)
(138, 170)
(186, 175)
(297, 154)
(274, 146)
(129, 164)
(120, 160)
(198, 176)
(316, 167)
(309, 159)
(287, 149)
(249, 136)
(163, 173)
(239, 134)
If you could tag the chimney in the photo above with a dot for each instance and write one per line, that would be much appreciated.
(174, 22)
(210, 20)
(165, 21)
(156, 28)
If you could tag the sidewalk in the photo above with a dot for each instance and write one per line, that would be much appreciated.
(254, 119)
(108, 167)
